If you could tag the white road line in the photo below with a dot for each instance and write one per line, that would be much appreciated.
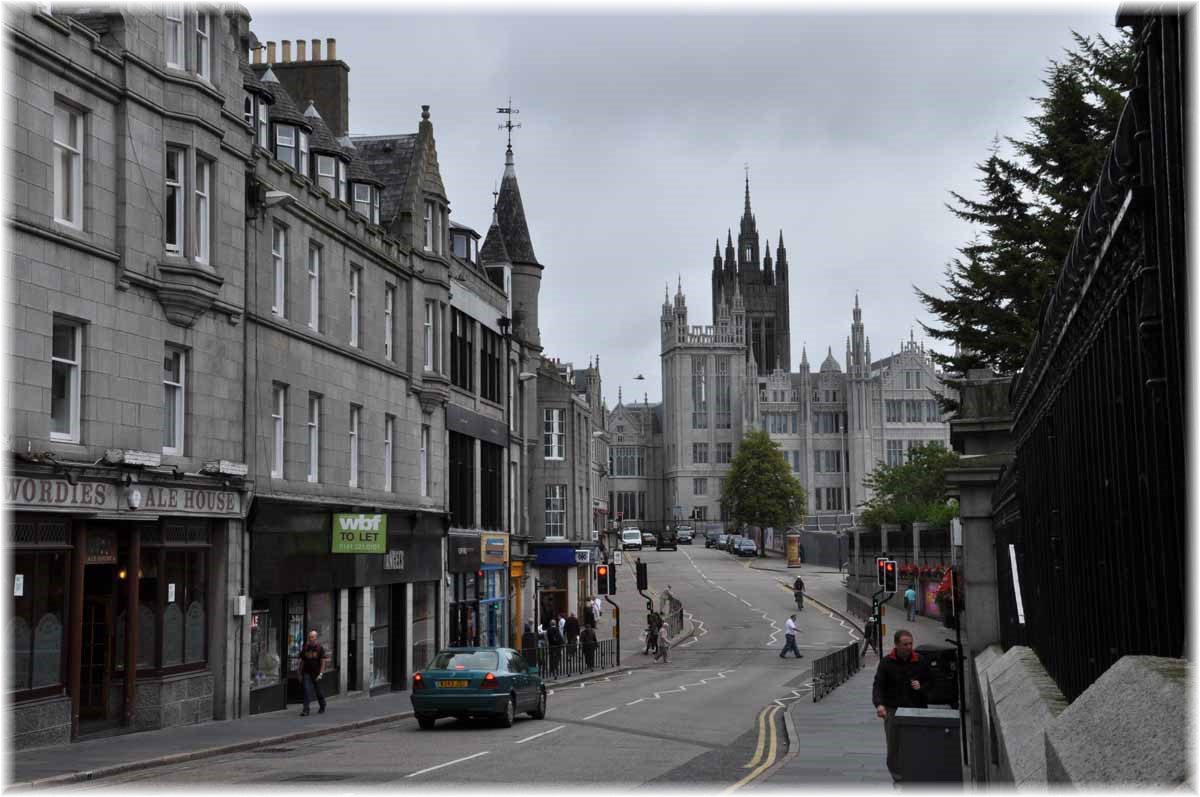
(448, 763)
(543, 733)
(598, 713)
(743, 600)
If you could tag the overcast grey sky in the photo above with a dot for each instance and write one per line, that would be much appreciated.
(635, 129)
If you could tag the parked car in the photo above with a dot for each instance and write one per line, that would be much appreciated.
(719, 541)
(473, 682)
(732, 541)
(746, 547)
(713, 539)
(667, 538)
(631, 539)
(684, 535)
(649, 539)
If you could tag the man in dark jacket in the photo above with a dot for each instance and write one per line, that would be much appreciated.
(529, 644)
(900, 682)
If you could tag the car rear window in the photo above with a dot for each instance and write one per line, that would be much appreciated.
(477, 660)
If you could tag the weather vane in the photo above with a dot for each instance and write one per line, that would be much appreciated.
(508, 123)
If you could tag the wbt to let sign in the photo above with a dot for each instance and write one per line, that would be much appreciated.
(359, 533)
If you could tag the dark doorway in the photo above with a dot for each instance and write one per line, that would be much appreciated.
(352, 640)
(96, 660)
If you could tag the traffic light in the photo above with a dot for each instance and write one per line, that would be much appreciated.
(602, 579)
(612, 581)
(643, 580)
(880, 561)
(889, 575)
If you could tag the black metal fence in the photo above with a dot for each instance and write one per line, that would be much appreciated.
(1092, 512)
(563, 661)
(834, 669)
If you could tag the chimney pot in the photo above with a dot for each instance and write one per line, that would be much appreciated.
(301, 45)
(287, 51)
(316, 49)
(258, 54)
(331, 49)
(270, 52)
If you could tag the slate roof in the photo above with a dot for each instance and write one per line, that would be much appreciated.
(389, 158)
(283, 109)
(510, 213)
(493, 250)
(251, 82)
(830, 363)
(321, 139)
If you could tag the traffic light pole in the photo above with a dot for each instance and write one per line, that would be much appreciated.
(616, 626)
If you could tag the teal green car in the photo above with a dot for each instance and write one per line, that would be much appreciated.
(477, 682)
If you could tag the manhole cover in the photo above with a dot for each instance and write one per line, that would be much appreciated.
(318, 777)
(276, 749)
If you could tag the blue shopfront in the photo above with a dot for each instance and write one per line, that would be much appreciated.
(563, 577)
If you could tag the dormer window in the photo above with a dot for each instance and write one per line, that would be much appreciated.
(327, 173)
(264, 126)
(248, 110)
(362, 200)
(285, 144)
(343, 191)
(458, 246)
(304, 153)
(375, 206)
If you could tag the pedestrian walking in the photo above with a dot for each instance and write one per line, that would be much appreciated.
(312, 667)
(664, 600)
(900, 682)
(555, 639)
(798, 592)
(562, 623)
(589, 615)
(653, 623)
(571, 630)
(664, 645)
(587, 639)
(910, 602)
(789, 637)
(598, 607)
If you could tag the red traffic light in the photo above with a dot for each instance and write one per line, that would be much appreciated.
(890, 565)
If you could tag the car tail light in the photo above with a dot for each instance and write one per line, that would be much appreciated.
(489, 682)
(418, 682)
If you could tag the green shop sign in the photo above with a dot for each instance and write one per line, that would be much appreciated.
(360, 533)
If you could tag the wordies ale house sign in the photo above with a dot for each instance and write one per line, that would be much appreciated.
(359, 533)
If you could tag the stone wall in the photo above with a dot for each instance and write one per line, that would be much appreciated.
(174, 700)
(40, 723)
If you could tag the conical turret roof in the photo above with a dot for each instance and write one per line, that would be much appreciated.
(284, 108)
(510, 215)
(322, 139)
(830, 363)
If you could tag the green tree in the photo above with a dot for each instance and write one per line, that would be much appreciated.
(1029, 210)
(760, 489)
(913, 491)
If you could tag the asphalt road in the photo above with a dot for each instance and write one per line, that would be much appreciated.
(709, 718)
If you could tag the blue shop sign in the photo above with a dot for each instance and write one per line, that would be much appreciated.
(555, 556)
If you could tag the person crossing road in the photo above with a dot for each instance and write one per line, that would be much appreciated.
(790, 639)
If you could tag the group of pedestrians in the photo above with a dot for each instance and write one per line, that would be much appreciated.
(657, 636)
(561, 635)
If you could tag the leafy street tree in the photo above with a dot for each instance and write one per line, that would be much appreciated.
(760, 489)
(1029, 209)
(913, 491)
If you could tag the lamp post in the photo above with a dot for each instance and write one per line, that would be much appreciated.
(505, 324)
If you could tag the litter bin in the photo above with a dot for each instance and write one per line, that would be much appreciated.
(929, 745)
(942, 689)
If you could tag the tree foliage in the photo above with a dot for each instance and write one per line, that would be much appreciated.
(1029, 209)
(911, 492)
(760, 489)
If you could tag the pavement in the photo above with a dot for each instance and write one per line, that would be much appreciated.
(839, 739)
(114, 755)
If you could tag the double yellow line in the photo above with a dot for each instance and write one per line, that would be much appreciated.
(766, 751)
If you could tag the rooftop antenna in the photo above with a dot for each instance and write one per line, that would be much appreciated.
(508, 123)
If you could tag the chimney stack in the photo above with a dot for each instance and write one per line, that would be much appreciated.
(258, 53)
(331, 49)
(287, 51)
(301, 55)
(270, 52)
(316, 49)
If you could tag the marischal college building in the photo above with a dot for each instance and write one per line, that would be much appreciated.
(833, 425)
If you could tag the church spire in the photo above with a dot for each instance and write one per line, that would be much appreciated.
(747, 215)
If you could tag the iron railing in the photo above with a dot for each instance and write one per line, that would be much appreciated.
(1092, 510)
(834, 669)
(856, 606)
(563, 661)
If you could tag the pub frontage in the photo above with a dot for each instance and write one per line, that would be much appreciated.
(369, 584)
(118, 596)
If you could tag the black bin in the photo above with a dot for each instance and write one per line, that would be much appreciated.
(942, 689)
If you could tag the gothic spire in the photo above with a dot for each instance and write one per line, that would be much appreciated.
(510, 213)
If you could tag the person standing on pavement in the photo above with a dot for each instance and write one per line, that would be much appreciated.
(664, 644)
(789, 636)
(571, 630)
(589, 615)
(910, 602)
(598, 607)
(555, 639)
(900, 682)
(312, 667)
(529, 644)
(587, 639)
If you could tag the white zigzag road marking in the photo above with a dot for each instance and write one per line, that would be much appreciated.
(745, 601)
(696, 637)
(658, 695)
(582, 684)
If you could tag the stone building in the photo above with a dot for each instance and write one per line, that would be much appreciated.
(635, 466)
(833, 426)
(127, 455)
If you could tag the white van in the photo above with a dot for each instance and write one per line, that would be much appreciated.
(631, 538)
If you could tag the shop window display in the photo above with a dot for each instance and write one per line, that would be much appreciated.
(379, 624)
(424, 625)
(36, 626)
(264, 647)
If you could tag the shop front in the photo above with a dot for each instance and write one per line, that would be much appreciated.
(563, 579)
(367, 583)
(494, 596)
(116, 589)
(467, 585)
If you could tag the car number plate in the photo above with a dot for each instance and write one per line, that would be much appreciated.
(452, 684)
